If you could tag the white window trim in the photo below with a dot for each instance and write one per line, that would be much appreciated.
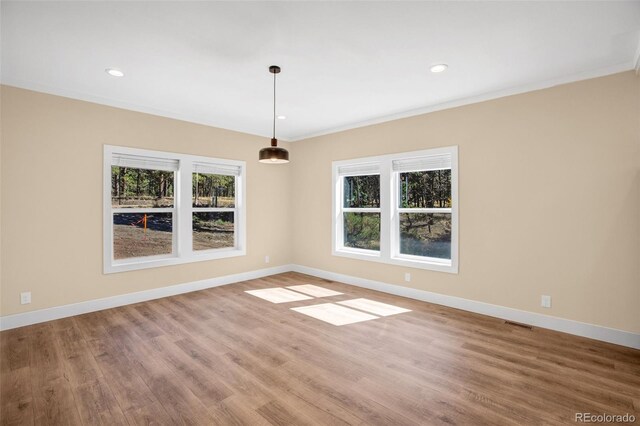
(389, 230)
(182, 212)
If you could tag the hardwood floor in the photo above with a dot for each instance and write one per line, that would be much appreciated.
(222, 356)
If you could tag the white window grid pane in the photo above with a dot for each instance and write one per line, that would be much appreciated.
(395, 250)
(133, 210)
(363, 170)
(174, 234)
(148, 163)
(219, 210)
(235, 210)
(235, 188)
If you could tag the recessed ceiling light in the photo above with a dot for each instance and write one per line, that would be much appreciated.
(114, 72)
(282, 117)
(439, 67)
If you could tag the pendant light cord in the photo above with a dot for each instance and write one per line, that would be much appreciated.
(274, 105)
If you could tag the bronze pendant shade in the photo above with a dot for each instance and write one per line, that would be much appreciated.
(274, 154)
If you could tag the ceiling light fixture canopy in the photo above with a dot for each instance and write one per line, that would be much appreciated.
(439, 68)
(114, 72)
(274, 154)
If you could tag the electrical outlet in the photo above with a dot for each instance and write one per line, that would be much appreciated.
(407, 276)
(266, 259)
(545, 301)
(25, 298)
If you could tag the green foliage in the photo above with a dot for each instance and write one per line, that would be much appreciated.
(213, 190)
(426, 234)
(362, 191)
(207, 221)
(362, 230)
(141, 188)
(427, 189)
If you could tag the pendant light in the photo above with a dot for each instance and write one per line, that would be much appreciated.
(274, 154)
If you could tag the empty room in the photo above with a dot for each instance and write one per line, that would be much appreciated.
(319, 213)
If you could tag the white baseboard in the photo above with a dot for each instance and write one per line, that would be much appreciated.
(33, 317)
(611, 335)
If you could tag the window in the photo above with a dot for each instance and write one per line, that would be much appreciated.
(360, 205)
(163, 208)
(214, 206)
(399, 209)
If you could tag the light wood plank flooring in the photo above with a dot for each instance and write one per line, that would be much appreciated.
(221, 356)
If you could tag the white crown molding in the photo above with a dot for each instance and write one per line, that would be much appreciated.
(129, 106)
(611, 335)
(626, 66)
(34, 317)
(72, 94)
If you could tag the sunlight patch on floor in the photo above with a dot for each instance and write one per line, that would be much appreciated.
(278, 295)
(314, 290)
(334, 314)
(377, 308)
(339, 313)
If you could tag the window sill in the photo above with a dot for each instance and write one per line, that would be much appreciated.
(155, 262)
(433, 264)
(358, 252)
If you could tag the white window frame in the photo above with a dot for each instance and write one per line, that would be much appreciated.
(342, 209)
(390, 212)
(182, 213)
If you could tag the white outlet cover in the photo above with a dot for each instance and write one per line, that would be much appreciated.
(25, 298)
(407, 277)
(545, 301)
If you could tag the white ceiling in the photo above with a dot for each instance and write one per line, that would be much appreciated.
(344, 64)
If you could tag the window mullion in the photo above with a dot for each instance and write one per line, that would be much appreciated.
(120, 210)
(394, 225)
(338, 214)
(361, 210)
(426, 210)
(213, 209)
(239, 215)
(184, 209)
(386, 196)
(236, 227)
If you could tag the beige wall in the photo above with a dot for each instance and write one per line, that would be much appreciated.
(52, 198)
(549, 199)
(549, 202)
